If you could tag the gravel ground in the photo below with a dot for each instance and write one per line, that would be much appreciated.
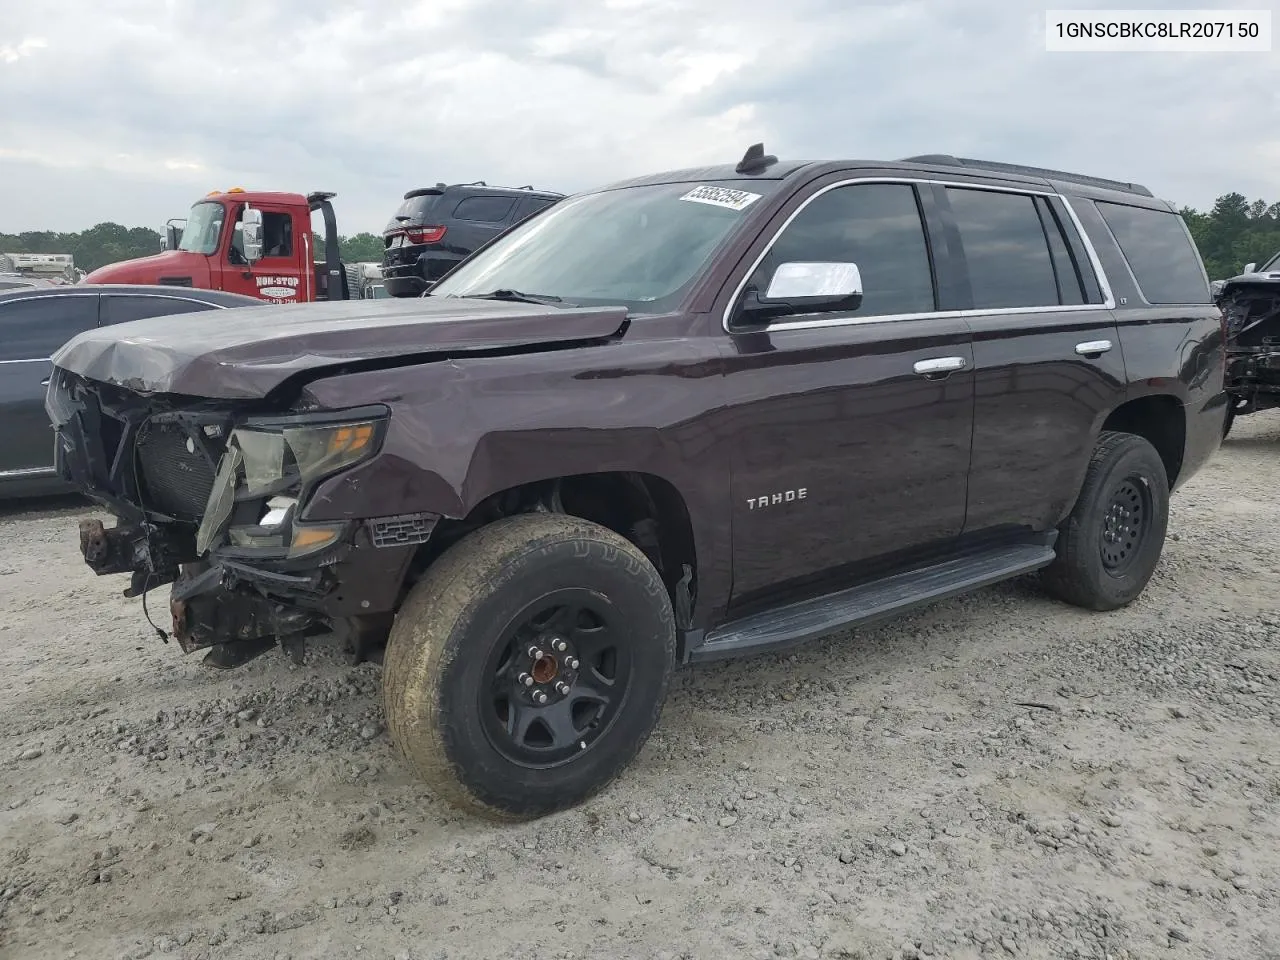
(996, 776)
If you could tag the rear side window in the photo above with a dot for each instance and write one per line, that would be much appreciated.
(1159, 251)
(484, 209)
(875, 225)
(123, 309)
(34, 329)
(1006, 250)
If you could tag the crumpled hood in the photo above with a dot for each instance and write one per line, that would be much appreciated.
(245, 352)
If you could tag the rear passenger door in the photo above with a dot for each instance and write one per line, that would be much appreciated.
(1047, 361)
(31, 330)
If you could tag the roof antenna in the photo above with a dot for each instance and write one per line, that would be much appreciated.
(754, 160)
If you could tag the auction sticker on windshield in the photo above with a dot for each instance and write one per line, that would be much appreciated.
(721, 197)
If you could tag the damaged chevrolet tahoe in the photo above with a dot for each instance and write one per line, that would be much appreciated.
(693, 415)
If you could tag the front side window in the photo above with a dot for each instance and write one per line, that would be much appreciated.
(1005, 248)
(203, 229)
(876, 226)
(1159, 252)
(637, 247)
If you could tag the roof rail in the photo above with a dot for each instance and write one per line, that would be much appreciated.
(946, 160)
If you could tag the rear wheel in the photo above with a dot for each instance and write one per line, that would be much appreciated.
(1109, 545)
(529, 665)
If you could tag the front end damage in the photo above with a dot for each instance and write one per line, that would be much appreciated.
(211, 497)
(1251, 307)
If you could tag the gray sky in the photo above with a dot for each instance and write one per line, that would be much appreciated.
(130, 110)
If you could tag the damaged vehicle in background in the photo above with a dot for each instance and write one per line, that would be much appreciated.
(1251, 304)
(694, 415)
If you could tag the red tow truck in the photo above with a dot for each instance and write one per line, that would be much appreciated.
(256, 243)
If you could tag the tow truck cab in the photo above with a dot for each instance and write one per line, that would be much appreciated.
(254, 243)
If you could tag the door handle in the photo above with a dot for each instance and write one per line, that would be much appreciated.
(1093, 347)
(938, 365)
(44, 382)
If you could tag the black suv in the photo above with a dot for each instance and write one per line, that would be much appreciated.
(437, 227)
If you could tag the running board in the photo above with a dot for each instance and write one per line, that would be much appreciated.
(871, 602)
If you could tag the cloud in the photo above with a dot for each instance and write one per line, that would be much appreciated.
(130, 111)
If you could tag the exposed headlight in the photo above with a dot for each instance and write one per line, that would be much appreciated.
(279, 460)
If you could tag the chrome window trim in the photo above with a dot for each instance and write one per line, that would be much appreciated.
(28, 472)
(1108, 301)
(166, 296)
(31, 360)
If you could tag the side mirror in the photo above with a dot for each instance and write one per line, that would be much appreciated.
(1250, 267)
(251, 226)
(172, 236)
(805, 287)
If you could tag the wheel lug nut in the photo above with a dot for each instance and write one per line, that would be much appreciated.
(572, 663)
(534, 653)
(525, 679)
(541, 696)
(560, 645)
(561, 687)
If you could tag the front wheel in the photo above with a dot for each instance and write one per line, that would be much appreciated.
(529, 665)
(1109, 545)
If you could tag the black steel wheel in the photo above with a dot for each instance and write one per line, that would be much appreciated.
(1125, 524)
(560, 674)
(528, 666)
(1110, 543)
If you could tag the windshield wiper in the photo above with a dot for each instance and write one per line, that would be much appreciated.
(514, 296)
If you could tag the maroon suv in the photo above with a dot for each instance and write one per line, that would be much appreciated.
(696, 414)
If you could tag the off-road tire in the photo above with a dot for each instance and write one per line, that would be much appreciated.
(452, 620)
(1079, 575)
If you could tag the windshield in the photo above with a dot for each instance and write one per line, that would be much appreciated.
(637, 247)
(1272, 264)
(203, 227)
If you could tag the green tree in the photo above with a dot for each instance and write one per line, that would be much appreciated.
(1234, 232)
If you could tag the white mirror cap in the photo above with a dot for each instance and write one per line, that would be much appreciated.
(814, 280)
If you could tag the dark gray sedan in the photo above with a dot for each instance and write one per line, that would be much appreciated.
(34, 322)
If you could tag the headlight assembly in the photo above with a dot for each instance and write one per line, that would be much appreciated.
(276, 461)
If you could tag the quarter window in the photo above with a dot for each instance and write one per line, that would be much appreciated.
(877, 226)
(1160, 254)
(1005, 249)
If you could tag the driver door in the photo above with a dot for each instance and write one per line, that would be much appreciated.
(277, 276)
(855, 426)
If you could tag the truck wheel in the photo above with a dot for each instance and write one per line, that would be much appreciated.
(1110, 543)
(528, 666)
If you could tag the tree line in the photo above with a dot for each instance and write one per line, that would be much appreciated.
(110, 243)
(1230, 234)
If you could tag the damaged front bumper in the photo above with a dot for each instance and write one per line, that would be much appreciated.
(1251, 310)
(212, 502)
